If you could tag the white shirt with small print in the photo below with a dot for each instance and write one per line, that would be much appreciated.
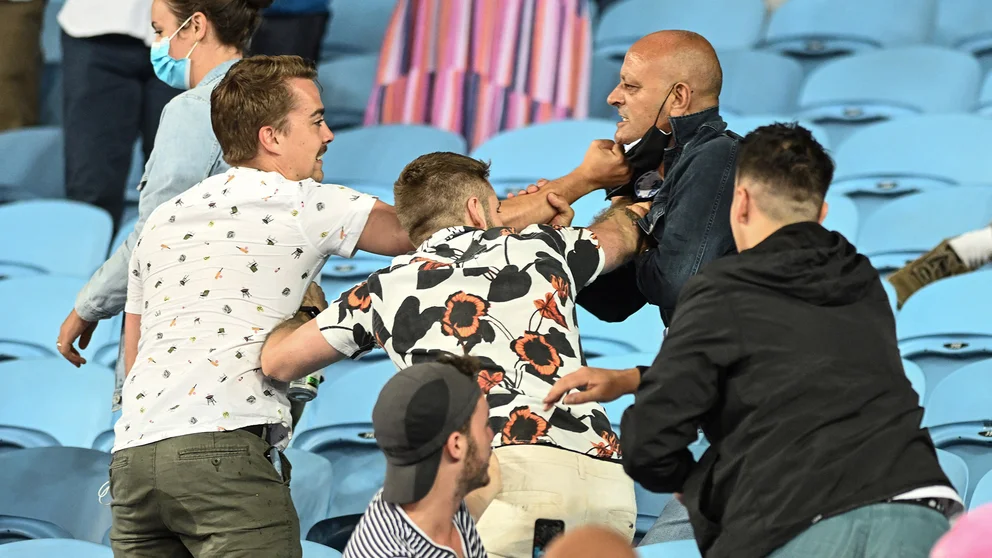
(215, 269)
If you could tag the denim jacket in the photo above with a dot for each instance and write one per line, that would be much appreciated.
(185, 153)
(689, 221)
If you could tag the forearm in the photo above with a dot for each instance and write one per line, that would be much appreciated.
(619, 234)
(383, 233)
(105, 293)
(274, 341)
(132, 335)
(296, 348)
(522, 211)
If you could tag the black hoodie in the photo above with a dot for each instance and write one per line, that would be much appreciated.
(786, 356)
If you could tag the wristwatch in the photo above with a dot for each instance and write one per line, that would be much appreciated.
(310, 311)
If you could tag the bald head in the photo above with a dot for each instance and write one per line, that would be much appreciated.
(590, 542)
(677, 68)
(683, 56)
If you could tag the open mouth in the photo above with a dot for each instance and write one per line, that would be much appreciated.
(320, 156)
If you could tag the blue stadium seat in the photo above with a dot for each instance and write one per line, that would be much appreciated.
(37, 306)
(916, 377)
(134, 174)
(338, 425)
(43, 230)
(311, 484)
(842, 216)
(882, 161)
(41, 487)
(908, 227)
(345, 85)
(946, 325)
(51, 402)
(672, 549)
(33, 161)
(55, 548)
(965, 25)
(853, 91)
(549, 150)
(759, 82)
(985, 97)
(744, 124)
(982, 494)
(640, 332)
(956, 470)
(356, 27)
(315, 550)
(820, 28)
(370, 159)
(726, 24)
(958, 414)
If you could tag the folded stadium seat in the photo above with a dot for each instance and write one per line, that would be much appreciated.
(912, 154)
(956, 470)
(946, 325)
(741, 125)
(338, 425)
(815, 30)
(727, 24)
(640, 332)
(356, 27)
(71, 410)
(908, 227)
(55, 548)
(842, 216)
(759, 82)
(849, 93)
(311, 482)
(985, 97)
(35, 308)
(549, 150)
(33, 163)
(41, 487)
(315, 550)
(345, 85)
(965, 25)
(982, 494)
(672, 549)
(38, 234)
(370, 159)
(958, 415)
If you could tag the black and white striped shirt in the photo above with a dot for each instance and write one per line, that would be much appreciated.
(385, 531)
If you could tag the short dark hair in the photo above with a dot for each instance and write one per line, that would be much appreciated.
(431, 191)
(791, 166)
(234, 21)
(253, 94)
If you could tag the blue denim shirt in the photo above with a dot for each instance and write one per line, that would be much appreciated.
(689, 221)
(185, 153)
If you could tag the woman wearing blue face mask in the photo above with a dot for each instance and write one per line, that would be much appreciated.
(196, 42)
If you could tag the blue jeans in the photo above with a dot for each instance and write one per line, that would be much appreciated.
(111, 97)
(671, 525)
(875, 531)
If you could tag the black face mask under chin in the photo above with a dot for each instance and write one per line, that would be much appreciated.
(647, 155)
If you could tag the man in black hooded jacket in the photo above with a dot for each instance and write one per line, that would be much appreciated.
(785, 355)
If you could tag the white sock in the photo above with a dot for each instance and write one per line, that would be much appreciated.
(974, 248)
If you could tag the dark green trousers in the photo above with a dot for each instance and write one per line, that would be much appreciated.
(202, 495)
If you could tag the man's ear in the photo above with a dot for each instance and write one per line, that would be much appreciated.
(681, 99)
(742, 205)
(476, 213)
(823, 212)
(456, 446)
(268, 140)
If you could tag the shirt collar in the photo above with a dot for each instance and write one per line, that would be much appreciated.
(685, 127)
(445, 235)
(217, 73)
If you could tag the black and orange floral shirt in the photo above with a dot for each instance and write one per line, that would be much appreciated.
(505, 297)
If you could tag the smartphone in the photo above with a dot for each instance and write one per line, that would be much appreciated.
(544, 531)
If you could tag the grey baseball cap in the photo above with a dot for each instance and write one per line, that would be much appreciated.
(417, 410)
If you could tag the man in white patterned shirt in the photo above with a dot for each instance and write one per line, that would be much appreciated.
(197, 466)
(507, 297)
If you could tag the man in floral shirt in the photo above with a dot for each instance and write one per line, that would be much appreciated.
(508, 298)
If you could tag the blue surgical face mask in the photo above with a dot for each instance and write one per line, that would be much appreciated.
(174, 73)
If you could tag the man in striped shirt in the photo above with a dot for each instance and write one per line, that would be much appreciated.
(432, 422)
